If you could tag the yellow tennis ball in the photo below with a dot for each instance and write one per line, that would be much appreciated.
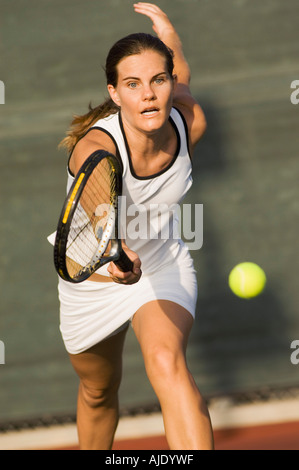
(247, 280)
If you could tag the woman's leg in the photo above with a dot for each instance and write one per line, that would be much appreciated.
(99, 370)
(162, 329)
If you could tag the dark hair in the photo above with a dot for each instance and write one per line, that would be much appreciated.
(134, 44)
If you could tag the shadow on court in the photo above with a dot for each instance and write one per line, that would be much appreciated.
(237, 339)
(243, 56)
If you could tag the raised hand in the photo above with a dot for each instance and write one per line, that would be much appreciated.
(161, 22)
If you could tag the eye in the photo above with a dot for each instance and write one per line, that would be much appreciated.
(159, 81)
(132, 85)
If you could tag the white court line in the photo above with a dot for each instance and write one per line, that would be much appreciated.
(224, 415)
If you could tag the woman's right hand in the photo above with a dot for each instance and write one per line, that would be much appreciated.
(130, 277)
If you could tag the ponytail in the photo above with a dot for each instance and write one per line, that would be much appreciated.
(81, 124)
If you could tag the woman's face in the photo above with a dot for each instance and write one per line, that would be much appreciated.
(144, 91)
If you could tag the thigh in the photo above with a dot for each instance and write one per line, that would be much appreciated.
(101, 365)
(162, 324)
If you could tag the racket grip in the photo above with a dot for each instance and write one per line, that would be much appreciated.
(124, 263)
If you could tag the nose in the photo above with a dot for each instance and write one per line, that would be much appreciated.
(148, 93)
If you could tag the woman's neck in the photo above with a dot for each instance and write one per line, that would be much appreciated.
(148, 145)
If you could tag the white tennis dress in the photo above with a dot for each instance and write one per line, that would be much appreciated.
(91, 311)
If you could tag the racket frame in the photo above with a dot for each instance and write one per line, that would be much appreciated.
(116, 252)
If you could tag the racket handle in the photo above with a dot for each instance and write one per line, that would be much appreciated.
(124, 263)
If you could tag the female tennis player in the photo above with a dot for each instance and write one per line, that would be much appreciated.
(152, 123)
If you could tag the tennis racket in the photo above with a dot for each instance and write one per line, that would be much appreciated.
(87, 232)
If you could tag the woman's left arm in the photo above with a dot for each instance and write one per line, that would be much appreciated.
(183, 98)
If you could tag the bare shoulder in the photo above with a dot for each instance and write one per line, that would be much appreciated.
(94, 140)
(192, 113)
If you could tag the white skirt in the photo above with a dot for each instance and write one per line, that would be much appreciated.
(92, 311)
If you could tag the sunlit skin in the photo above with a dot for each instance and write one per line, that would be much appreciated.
(145, 93)
(161, 327)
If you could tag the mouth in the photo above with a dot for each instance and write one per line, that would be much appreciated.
(150, 111)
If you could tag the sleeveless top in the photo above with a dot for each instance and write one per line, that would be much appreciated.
(149, 210)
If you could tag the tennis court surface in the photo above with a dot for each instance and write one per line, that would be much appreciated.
(252, 423)
(243, 56)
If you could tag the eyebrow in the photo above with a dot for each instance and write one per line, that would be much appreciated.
(137, 78)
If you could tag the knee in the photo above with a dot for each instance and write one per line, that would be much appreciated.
(100, 395)
(165, 365)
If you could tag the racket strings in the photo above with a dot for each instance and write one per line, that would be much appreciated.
(89, 223)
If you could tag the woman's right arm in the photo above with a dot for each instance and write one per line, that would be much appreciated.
(94, 140)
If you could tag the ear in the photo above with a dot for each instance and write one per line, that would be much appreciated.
(175, 81)
(113, 94)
